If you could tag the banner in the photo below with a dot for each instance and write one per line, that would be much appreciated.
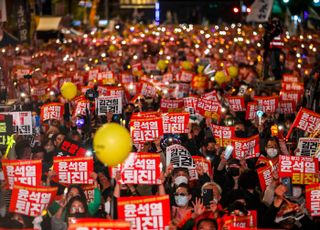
(52, 111)
(313, 199)
(148, 129)
(148, 90)
(251, 112)
(82, 106)
(306, 120)
(175, 122)
(190, 104)
(267, 104)
(145, 212)
(295, 96)
(23, 20)
(287, 107)
(26, 172)
(73, 170)
(247, 221)
(308, 146)
(246, 147)
(289, 78)
(260, 11)
(109, 104)
(204, 163)
(302, 170)
(211, 96)
(98, 224)
(209, 108)
(236, 103)
(292, 86)
(140, 168)
(6, 130)
(222, 134)
(178, 156)
(265, 176)
(167, 105)
(22, 122)
(3, 11)
(31, 200)
(72, 148)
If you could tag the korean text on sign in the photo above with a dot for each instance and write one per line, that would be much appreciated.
(23, 171)
(97, 223)
(140, 168)
(52, 111)
(143, 130)
(73, 170)
(145, 212)
(30, 200)
(313, 199)
(178, 156)
(109, 104)
(175, 122)
(246, 147)
(302, 170)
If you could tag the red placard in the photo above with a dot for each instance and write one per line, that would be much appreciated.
(287, 107)
(126, 78)
(306, 120)
(302, 170)
(210, 96)
(296, 86)
(30, 200)
(73, 170)
(52, 111)
(295, 96)
(190, 104)
(205, 163)
(175, 122)
(81, 108)
(209, 108)
(72, 148)
(184, 76)
(26, 172)
(148, 90)
(236, 103)
(222, 134)
(248, 221)
(146, 129)
(267, 104)
(246, 147)
(106, 77)
(145, 212)
(140, 168)
(88, 190)
(313, 199)
(97, 223)
(167, 105)
(111, 91)
(141, 115)
(252, 108)
(265, 176)
(289, 78)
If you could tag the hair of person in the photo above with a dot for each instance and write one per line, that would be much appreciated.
(272, 139)
(73, 199)
(80, 189)
(213, 221)
(20, 146)
(186, 186)
(176, 170)
(212, 184)
(37, 149)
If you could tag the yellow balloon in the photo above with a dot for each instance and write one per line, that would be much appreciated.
(233, 71)
(112, 144)
(162, 65)
(187, 65)
(220, 77)
(68, 90)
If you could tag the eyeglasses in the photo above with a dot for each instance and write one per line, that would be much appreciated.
(181, 194)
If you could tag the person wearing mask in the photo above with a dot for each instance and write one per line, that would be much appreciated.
(181, 210)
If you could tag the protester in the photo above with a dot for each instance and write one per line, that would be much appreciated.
(214, 145)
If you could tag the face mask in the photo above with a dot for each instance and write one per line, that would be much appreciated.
(181, 201)
(181, 179)
(107, 207)
(78, 215)
(234, 171)
(272, 152)
(296, 191)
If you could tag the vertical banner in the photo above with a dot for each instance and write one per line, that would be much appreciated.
(30, 200)
(145, 212)
(260, 11)
(23, 21)
(3, 11)
(313, 199)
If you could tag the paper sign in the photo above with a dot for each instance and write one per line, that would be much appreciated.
(175, 122)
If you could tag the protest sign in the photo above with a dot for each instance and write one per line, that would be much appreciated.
(175, 122)
(313, 199)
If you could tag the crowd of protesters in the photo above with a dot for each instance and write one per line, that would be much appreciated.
(151, 54)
